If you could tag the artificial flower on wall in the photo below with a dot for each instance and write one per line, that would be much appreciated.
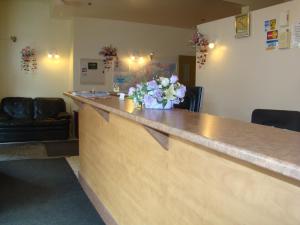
(200, 42)
(28, 59)
(110, 55)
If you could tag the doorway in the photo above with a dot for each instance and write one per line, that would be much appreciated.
(187, 70)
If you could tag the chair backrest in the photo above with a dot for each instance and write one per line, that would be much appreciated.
(17, 107)
(48, 107)
(192, 100)
(289, 120)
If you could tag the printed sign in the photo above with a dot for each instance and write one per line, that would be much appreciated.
(271, 44)
(296, 35)
(270, 25)
(272, 35)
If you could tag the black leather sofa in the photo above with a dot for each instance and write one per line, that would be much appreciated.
(39, 119)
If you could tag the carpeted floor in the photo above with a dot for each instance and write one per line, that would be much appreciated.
(43, 192)
(22, 151)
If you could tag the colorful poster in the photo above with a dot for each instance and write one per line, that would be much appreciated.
(270, 25)
(271, 34)
(271, 44)
(126, 76)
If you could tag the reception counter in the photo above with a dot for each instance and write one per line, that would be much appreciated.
(174, 167)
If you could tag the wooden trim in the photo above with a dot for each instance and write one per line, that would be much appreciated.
(161, 137)
(100, 208)
(104, 114)
(78, 103)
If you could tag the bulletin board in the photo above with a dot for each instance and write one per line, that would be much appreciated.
(91, 71)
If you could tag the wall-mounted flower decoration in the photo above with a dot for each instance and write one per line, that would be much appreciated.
(201, 43)
(110, 56)
(28, 59)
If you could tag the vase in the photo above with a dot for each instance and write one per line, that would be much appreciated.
(156, 105)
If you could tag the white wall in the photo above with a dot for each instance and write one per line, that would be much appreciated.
(31, 23)
(241, 75)
(90, 35)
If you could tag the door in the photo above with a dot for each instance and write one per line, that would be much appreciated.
(187, 70)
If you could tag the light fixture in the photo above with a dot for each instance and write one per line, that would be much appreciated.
(151, 55)
(132, 57)
(13, 38)
(141, 60)
(53, 55)
(211, 45)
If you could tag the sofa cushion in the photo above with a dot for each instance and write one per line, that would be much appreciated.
(4, 117)
(17, 107)
(16, 123)
(50, 122)
(45, 108)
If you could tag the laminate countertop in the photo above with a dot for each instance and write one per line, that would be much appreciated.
(270, 148)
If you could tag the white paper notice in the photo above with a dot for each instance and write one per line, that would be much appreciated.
(296, 35)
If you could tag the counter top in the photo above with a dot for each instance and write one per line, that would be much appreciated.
(270, 148)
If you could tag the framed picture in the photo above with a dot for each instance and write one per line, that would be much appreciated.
(242, 25)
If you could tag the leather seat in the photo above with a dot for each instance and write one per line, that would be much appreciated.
(16, 123)
(26, 119)
(50, 122)
(277, 118)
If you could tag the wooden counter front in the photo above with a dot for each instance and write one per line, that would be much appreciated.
(134, 179)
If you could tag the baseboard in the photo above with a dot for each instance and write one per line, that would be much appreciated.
(62, 148)
(99, 206)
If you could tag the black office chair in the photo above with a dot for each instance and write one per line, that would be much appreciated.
(192, 100)
(289, 120)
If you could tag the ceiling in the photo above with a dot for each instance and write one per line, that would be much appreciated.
(176, 13)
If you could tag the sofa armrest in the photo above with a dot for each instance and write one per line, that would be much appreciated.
(4, 116)
(63, 115)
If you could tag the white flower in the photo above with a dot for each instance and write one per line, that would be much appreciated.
(170, 93)
(164, 81)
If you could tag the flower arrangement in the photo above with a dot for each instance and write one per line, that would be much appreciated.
(201, 43)
(159, 93)
(109, 53)
(28, 59)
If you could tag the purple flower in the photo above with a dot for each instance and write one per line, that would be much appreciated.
(149, 100)
(152, 85)
(180, 92)
(173, 79)
(131, 91)
(158, 94)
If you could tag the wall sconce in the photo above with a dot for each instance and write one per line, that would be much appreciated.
(211, 45)
(13, 38)
(137, 59)
(151, 56)
(53, 55)
(141, 59)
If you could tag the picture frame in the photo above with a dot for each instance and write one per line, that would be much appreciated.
(242, 25)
